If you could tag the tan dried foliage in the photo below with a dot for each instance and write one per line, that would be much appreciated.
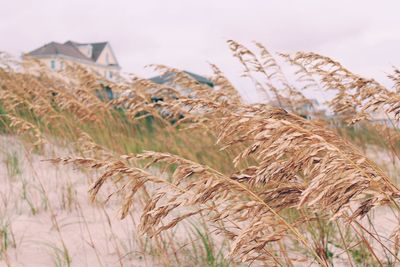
(282, 162)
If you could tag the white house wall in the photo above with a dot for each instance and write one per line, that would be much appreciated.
(101, 70)
(86, 50)
(102, 59)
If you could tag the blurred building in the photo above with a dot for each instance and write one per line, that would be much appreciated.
(168, 79)
(96, 56)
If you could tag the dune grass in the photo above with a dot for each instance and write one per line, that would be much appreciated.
(206, 178)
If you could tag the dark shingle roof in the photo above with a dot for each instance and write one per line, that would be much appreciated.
(54, 48)
(167, 77)
(97, 49)
(69, 48)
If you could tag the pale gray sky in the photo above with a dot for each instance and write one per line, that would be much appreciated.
(364, 35)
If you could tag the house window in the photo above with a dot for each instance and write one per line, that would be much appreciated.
(53, 64)
(107, 61)
(110, 74)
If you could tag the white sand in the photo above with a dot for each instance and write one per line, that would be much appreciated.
(34, 239)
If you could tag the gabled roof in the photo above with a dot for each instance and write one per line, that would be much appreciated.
(96, 51)
(70, 48)
(167, 77)
(54, 48)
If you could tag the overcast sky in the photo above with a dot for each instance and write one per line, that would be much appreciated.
(363, 35)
